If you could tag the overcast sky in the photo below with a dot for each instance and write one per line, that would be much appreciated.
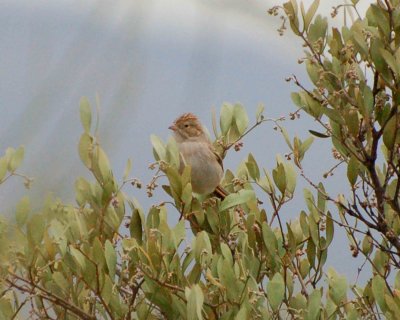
(148, 61)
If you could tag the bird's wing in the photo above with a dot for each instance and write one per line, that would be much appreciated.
(219, 159)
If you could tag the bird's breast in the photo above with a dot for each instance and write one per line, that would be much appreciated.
(206, 171)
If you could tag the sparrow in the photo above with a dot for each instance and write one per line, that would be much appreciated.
(197, 151)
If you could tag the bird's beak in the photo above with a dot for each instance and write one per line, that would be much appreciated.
(173, 127)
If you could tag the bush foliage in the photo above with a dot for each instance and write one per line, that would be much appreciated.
(105, 258)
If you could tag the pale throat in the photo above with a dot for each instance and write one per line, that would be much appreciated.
(180, 138)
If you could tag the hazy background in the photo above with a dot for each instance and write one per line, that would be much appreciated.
(148, 61)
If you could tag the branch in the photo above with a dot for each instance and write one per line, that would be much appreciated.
(47, 295)
(229, 145)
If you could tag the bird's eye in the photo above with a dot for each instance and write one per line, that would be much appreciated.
(186, 126)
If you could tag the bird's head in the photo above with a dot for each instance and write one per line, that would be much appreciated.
(187, 127)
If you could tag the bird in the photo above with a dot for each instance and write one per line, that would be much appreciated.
(197, 151)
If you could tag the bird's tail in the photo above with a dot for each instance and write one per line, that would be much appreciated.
(220, 192)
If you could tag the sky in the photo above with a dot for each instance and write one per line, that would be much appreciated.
(147, 62)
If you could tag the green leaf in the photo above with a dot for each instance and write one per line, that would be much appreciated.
(78, 257)
(9, 154)
(214, 122)
(376, 47)
(60, 280)
(318, 29)
(86, 114)
(195, 300)
(187, 261)
(310, 13)
(286, 137)
(85, 149)
(279, 176)
(175, 182)
(260, 112)
(304, 223)
(378, 290)
(276, 291)
(333, 115)
(389, 133)
(392, 304)
(226, 116)
(352, 170)
(227, 278)
(187, 196)
(380, 17)
(7, 305)
(291, 11)
(243, 313)
(291, 177)
(313, 229)
(128, 169)
(252, 167)
(311, 251)
(321, 200)
(360, 43)
(296, 99)
(128, 244)
(391, 61)
(297, 230)
(98, 253)
(337, 287)
(298, 302)
(235, 199)
(3, 167)
(313, 71)
(366, 245)
(179, 233)
(81, 223)
(306, 144)
(16, 159)
(202, 247)
(35, 228)
(226, 252)
(241, 118)
(368, 102)
(329, 229)
(396, 280)
(266, 183)
(352, 121)
(314, 305)
(158, 147)
(106, 291)
(318, 134)
(83, 191)
(104, 164)
(22, 211)
(269, 237)
(304, 268)
(309, 198)
(111, 258)
(172, 153)
(136, 225)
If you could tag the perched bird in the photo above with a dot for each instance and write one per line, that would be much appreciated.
(197, 151)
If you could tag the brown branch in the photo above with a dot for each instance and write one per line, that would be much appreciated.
(229, 145)
(134, 293)
(47, 295)
(19, 309)
(379, 190)
(303, 285)
(97, 291)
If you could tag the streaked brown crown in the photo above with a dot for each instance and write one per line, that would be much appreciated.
(186, 117)
(187, 126)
